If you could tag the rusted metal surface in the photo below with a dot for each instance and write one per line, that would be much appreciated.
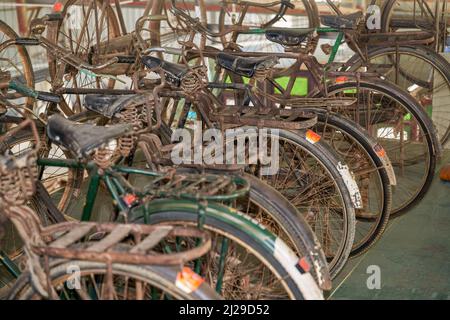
(144, 238)
(89, 241)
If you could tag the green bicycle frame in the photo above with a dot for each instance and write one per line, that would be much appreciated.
(115, 188)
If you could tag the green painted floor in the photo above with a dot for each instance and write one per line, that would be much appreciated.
(413, 256)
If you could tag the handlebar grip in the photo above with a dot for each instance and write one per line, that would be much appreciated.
(54, 17)
(48, 97)
(23, 89)
(27, 41)
(288, 4)
(126, 59)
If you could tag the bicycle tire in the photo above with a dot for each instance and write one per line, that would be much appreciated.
(297, 233)
(61, 78)
(434, 60)
(330, 163)
(433, 148)
(297, 286)
(300, 235)
(24, 57)
(368, 144)
(162, 277)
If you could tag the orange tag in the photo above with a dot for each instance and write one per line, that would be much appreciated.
(379, 150)
(57, 7)
(304, 264)
(129, 199)
(341, 79)
(188, 280)
(312, 137)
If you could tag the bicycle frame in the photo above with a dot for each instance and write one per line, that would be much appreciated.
(117, 189)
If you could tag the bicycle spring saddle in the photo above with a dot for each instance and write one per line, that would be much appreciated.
(288, 37)
(245, 66)
(82, 139)
(347, 21)
(110, 105)
(174, 73)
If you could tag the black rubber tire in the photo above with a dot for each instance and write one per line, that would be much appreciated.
(363, 139)
(235, 234)
(330, 161)
(434, 59)
(24, 56)
(401, 96)
(301, 238)
(294, 225)
(163, 277)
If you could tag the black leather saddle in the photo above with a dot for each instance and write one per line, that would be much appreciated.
(244, 66)
(348, 21)
(82, 139)
(174, 73)
(288, 37)
(109, 105)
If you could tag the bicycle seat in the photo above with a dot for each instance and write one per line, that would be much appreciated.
(174, 72)
(346, 21)
(288, 37)
(82, 139)
(245, 66)
(110, 105)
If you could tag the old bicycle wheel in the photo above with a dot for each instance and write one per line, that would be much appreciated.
(402, 128)
(239, 262)
(86, 30)
(371, 169)
(417, 14)
(129, 282)
(311, 177)
(320, 186)
(420, 71)
(16, 61)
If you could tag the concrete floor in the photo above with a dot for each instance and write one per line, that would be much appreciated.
(413, 255)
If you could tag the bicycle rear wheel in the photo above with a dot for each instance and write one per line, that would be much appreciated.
(370, 170)
(402, 128)
(129, 282)
(86, 31)
(15, 59)
(420, 71)
(314, 179)
(246, 261)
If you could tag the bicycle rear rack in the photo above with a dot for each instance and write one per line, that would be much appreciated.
(120, 243)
